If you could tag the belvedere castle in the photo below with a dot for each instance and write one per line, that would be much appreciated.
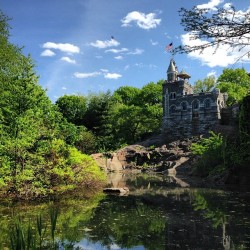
(185, 113)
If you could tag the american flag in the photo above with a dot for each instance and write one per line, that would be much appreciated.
(169, 47)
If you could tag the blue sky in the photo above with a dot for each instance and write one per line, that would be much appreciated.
(83, 46)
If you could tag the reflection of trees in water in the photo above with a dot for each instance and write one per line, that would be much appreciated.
(152, 216)
(128, 222)
(216, 211)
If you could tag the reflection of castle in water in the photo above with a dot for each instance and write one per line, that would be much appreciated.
(185, 113)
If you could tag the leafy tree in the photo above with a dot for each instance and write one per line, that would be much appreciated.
(205, 85)
(34, 157)
(225, 26)
(97, 109)
(131, 123)
(86, 141)
(151, 94)
(127, 95)
(239, 76)
(211, 152)
(73, 108)
(236, 82)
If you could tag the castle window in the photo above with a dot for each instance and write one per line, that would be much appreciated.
(184, 105)
(172, 109)
(207, 104)
(172, 95)
(195, 104)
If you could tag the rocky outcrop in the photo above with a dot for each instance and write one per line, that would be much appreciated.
(172, 158)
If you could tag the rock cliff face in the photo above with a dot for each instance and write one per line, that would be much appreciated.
(171, 158)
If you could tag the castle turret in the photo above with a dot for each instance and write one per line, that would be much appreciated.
(172, 71)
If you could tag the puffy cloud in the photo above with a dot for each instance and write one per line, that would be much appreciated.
(112, 75)
(47, 52)
(144, 21)
(67, 59)
(210, 5)
(86, 75)
(105, 44)
(64, 47)
(212, 56)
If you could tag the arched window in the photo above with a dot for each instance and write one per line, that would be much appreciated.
(207, 103)
(184, 105)
(195, 104)
(172, 95)
(172, 109)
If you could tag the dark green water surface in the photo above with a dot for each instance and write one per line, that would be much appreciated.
(156, 214)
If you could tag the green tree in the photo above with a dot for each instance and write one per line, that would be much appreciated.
(127, 95)
(132, 123)
(73, 108)
(97, 110)
(151, 94)
(236, 82)
(34, 157)
(205, 85)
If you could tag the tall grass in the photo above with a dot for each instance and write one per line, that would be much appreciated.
(33, 238)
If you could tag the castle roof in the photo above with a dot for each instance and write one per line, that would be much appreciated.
(183, 75)
(172, 67)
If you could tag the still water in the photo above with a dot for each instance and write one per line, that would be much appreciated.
(156, 214)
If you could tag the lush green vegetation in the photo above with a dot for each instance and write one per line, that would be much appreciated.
(108, 121)
(37, 153)
(219, 153)
(236, 83)
(44, 147)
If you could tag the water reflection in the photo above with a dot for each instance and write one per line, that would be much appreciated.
(155, 215)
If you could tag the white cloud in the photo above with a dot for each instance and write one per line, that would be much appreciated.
(105, 44)
(86, 75)
(67, 59)
(47, 52)
(136, 52)
(222, 56)
(64, 47)
(118, 57)
(116, 51)
(64, 88)
(144, 21)
(104, 70)
(210, 5)
(112, 75)
(212, 73)
(227, 6)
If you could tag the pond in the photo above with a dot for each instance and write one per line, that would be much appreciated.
(156, 214)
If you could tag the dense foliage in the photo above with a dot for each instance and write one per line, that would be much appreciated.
(111, 120)
(218, 154)
(236, 83)
(36, 158)
(205, 85)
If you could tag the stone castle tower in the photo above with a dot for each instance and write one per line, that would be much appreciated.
(185, 113)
